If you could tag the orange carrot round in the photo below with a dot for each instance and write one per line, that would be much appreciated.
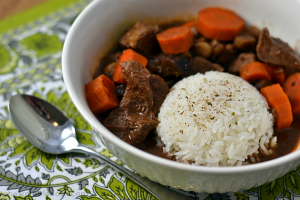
(175, 40)
(127, 54)
(101, 95)
(277, 73)
(292, 89)
(254, 71)
(277, 99)
(219, 23)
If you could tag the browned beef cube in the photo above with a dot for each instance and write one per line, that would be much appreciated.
(276, 52)
(200, 64)
(160, 90)
(169, 65)
(133, 119)
(141, 37)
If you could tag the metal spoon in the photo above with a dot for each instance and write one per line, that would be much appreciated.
(47, 128)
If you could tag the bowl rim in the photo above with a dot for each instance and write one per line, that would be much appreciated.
(92, 120)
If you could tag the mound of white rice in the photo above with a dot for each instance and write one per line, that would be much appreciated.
(214, 119)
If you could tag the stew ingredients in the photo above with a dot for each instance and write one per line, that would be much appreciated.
(211, 116)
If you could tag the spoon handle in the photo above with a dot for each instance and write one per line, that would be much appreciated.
(159, 191)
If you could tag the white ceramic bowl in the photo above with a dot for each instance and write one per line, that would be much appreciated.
(95, 32)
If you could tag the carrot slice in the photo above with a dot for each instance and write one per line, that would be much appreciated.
(277, 73)
(127, 54)
(254, 71)
(100, 95)
(277, 99)
(292, 89)
(175, 40)
(219, 23)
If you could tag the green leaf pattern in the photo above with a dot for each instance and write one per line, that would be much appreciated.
(117, 187)
(85, 138)
(106, 153)
(21, 149)
(12, 142)
(9, 59)
(87, 162)
(104, 193)
(32, 155)
(52, 98)
(132, 189)
(48, 160)
(287, 194)
(241, 196)
(27, 197)
(65, 158)
(292, 181)
(87, 190)
(89, 198)
(59, 168)
(272, 190)
(42, 44)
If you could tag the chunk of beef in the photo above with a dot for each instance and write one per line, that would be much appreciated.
(243, 59)
(141, 37)
(169, 65)
(276, 52)
(245, 42)
(160, 90)
(133, 119)
(199, 64)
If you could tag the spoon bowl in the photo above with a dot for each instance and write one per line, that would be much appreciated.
(48, 129)
(43, 124)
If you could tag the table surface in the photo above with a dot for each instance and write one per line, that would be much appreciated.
(31, 63)
(10, 7)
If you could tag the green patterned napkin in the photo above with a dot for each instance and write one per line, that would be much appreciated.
(30, 62)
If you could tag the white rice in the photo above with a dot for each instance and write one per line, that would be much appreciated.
(214, 119)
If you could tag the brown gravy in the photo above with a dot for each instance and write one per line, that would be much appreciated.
(287, 140)
(150, 145)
